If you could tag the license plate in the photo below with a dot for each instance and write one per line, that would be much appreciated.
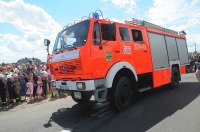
(77, 95)
(64, 87)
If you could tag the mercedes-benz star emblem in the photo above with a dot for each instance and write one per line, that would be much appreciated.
(63, 68)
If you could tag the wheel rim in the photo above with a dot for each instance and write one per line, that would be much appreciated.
(125, 94)
(122, 97)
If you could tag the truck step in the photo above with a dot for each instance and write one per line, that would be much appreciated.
(144, 89)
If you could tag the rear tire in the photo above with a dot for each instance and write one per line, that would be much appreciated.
(85, 97)
(175, 78)
(121, 94)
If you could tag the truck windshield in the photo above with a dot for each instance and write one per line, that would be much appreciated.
(72, 37)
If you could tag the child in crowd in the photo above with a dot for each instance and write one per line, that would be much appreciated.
(17, 86)
(30, 89)
(39, 88)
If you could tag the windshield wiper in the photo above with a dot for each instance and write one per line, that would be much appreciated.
(69, 47)
(72, 48)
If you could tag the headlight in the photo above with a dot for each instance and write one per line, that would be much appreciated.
(53, 83)
(80, 85)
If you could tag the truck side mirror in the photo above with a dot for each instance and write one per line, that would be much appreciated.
(112, 31)
(46, 42)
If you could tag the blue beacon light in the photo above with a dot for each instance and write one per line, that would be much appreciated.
(95, 15)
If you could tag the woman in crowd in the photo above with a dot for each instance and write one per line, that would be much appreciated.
(28, 69)
(17, 86)
(49, 78)
(24, 69)
(38, 70)
(44, 66)
(2, 90)
(44, 77)
(34, 79)
(39, 88)
(22, 80)
(4, 72)
(11, 89)
(9, 72)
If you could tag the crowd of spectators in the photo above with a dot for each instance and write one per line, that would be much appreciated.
(23, 82)
(193, 60)
(28, 82)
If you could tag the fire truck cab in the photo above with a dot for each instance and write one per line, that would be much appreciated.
(114, 61)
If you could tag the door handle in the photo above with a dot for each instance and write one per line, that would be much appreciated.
(117, 51)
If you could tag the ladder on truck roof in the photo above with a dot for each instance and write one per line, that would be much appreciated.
(149, 25)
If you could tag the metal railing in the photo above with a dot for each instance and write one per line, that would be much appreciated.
(149, 25)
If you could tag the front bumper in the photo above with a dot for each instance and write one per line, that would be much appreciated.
(90, 85)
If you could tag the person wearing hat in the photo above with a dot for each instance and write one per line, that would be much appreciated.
(11, 89)
(9, 71)
(2, 90)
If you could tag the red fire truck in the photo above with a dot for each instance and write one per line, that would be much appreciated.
(114, 61)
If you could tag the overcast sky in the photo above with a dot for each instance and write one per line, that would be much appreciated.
(25, 24)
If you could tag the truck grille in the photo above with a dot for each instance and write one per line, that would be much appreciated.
(72, 67)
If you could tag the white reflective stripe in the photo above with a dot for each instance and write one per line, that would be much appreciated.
(69, 130)
(66, 56)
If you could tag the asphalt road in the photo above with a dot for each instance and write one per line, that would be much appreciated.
(158, 110)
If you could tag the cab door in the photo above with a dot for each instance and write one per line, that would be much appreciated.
(141, 51)
(104, 50)
(126, 44)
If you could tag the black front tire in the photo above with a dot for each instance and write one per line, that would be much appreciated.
(121, 94)
(85, 97)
